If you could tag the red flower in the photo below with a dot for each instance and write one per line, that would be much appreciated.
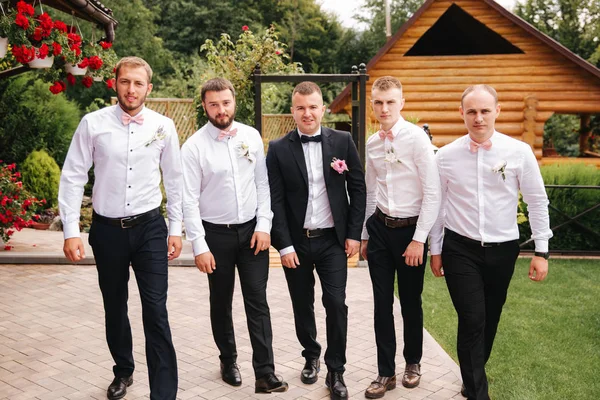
(43, 51)
(110, 83)
(11, 166)
(10, 232)
(37, 34)
(57, 87)
(25, 8)
(7, 247)
(56, 48)
(61, 26)
(84, 63)
(46, 24)
(95, 62)
(43, 201)
(19, 184)
(87, 81)
(74, 40)
(71, 79)
(22, 21)
(35, 217)
(245, 28)
(23, 54)
(17, 174)
(278, 52)
(105, 45)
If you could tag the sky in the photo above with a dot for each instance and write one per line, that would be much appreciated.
(345, 9)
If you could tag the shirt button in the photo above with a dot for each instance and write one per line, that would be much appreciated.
(131, 150)
(130, 169)
(129, 186)
(127, 203)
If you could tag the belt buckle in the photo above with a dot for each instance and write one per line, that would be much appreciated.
(124, 221)
(483, 244)
(308, 233)
(391, 221)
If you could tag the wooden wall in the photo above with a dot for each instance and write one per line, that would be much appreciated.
(531, 86)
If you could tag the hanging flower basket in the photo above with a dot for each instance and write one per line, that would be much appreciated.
(75, 70)
(3, 46)
(45, 62)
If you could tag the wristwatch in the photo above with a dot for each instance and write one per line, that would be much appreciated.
(546, 255)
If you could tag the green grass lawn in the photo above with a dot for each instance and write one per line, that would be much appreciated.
(548, 341)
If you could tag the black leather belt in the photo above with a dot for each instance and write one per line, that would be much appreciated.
(315, 233)
(464, 239)
(126, 222)
(229, 226)
(392, 222)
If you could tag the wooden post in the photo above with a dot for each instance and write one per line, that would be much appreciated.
(257, 99)
(529, 114)
(585, 130)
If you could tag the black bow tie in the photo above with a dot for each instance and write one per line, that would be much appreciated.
(307, 139)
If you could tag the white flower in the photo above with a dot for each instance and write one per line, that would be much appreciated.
(500, 168)
(390, 156)
(160, 134)
(243, 150)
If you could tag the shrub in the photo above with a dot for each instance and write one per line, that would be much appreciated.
(41, 176)
(569, 203)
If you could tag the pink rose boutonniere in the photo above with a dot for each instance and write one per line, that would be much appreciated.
(339, 166)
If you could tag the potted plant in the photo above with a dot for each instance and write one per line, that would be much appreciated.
(4, 28)
(100, 60)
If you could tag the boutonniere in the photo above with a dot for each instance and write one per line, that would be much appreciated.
(339, 166)
(500, 168)
(243, 150)
(160, 134)
(390, 156)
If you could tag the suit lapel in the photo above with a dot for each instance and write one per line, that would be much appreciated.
(327, 150)
(296, 149)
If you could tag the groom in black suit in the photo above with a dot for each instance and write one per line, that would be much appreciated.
(318, 198)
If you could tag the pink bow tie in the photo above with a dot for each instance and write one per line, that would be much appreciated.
(127, 119)
(224, 134)
(474, 146)
(383, 134)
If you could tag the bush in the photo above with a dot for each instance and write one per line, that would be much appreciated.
(41, 176)
(571, 202)
(33, 119)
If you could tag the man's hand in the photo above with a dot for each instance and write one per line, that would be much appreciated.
(262, 241)
(413, 255)
(436, 265)
(174, 247)
(290, 260)
(73, 249)
(205, 262)
(538, 270)
(352, 247)
(363, 248)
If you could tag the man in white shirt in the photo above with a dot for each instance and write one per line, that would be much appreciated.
(128, 145)
(318, 195)
(474, 242)
(227, 211)
(403, 200)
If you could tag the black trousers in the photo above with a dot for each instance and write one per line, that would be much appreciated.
(144, 246)
(384, 253)
(478, 279)
(325, 255)
(231, 247)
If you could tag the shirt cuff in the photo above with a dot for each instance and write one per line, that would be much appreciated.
(541, 245)
(420, 236)
(287, 250)
(71, 230)
(435, 249)
(174, 228)
(200, 246)
(263, 225)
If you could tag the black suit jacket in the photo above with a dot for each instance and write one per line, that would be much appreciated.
(288, 180)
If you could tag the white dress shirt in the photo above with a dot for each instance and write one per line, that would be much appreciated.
(402, 178)
(318, 211)
(225, 182)
(479, 204)
(127, 161)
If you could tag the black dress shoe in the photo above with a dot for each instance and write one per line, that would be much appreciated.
(269, 384)
(118, 387)
(310, 372)
(231, 374)
(337, 386)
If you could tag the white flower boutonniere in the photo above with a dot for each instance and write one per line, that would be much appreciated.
(390, 156)
(160, 134)
(243, 150)
(500, 168)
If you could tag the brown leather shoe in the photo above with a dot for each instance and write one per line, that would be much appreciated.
(379, 386)
(412, 376)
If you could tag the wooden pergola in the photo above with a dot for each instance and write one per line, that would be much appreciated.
(449, 45)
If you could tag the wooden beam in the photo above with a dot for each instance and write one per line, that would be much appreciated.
(585, 130)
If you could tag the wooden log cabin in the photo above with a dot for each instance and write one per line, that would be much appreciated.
(449, 45)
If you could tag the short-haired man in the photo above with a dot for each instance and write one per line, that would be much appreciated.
(403, 200)
(474, 243)
(318, 201)
(227, 212)
(128, 145)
